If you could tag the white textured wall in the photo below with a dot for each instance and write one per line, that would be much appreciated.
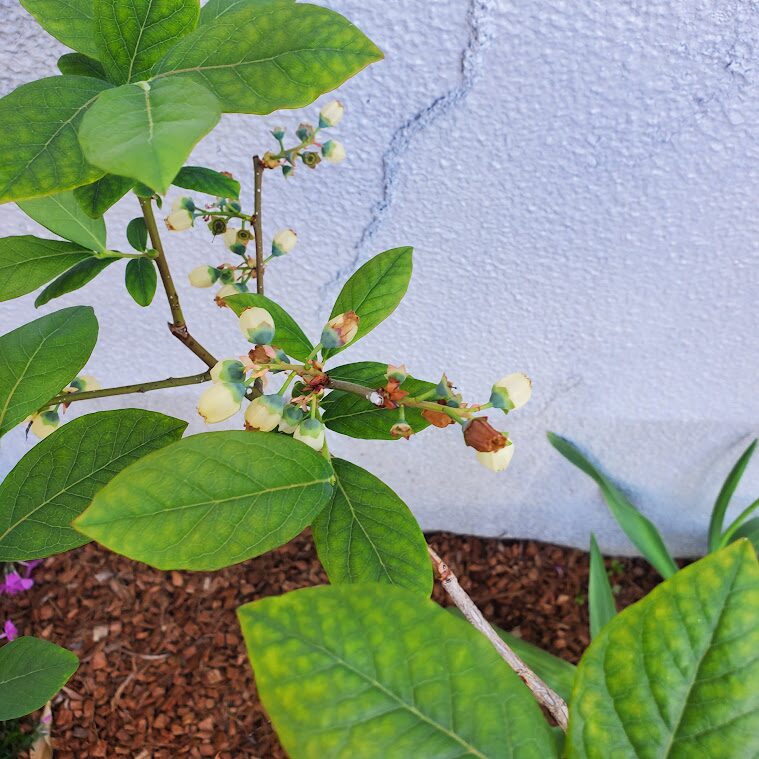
(580, 181)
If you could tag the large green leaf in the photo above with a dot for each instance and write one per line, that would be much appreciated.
(374, 290)
(132, 36)
(556, 672)
(76, 64)
(146, 131)
(287, 334)
(355, 416)
(39, 150)
(257, 60)
(72, 22)
(210, 500)
(641, 531)
(74, 279)
(58, 478)
(32, 671)
(26, 262)
(214, 9)
(600, 597)
(210, 182)
(141, 280)
(96, 198)
(367, 534)
(675, 675)
(378, 672)
(725, 494)
(63, 216)
(39, 359)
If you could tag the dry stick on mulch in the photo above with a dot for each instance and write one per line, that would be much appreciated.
(545, 695)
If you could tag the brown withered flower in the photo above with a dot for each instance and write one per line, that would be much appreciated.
(483, 437)
(392, 394)
(437, 418)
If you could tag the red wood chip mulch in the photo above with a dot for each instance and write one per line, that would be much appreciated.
(163, 668)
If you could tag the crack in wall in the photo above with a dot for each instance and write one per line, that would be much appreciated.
(478, 16)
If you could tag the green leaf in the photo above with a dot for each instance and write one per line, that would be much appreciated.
(63, 216)
(210, 500)
(146, 131)
(39, 359)
(32, 671)
(675, 675)
(132, 36)
(641, 531)
(257, 60)
(367, 534)
(137, 234)
(374, 291)
(287, 334)
(214, 9)
(727, 535)
(58, 478)
(76, 64)
(556, 672)
(725, 494)
(71, 22)
(352, 415)
(750, 531)
(141, 280)
(39, 149)
(75, 278)
(208, 181)
(379, 672)
(96, 198)
(600, 598)
(26, 262)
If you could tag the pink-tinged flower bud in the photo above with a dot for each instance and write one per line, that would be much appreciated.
(82, 384)
(229, 370)
(292, 416)
(331, 115)
(181, 216)
(265, 412)
(204, 276)
(511, 392)
(340, 330)
(311, 432)
(333, 151)
(498, 460)
(44, 424)
(220, 401)
(396, 373)
(402, 429)
(283, 242)
(257, 326)
(227, 290)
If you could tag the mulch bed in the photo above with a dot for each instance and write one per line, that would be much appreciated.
(163, 668)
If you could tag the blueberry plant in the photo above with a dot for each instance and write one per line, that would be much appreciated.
(367, 666)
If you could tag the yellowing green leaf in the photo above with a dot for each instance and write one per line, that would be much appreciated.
(72, 22)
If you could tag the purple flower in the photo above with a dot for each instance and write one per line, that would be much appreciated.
(9, 631)
(14, 584)
(30, 565)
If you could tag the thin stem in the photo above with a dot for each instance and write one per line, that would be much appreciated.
(258, 173)
(140, 387)
(178, 326)
(369, 393)
(544, 695)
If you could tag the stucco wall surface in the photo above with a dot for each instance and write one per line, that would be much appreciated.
(580, 181)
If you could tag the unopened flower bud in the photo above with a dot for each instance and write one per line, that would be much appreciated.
(333, 151)
(278, 133)
(311, 432)
(227, 274)
(83, 383)
(257, 325)
(481, 436)
(511, 392)
(181, 216)
(340, 330)
(44, 424)
(237, 240)
(331, 115)
(227, 290)
(498, 460)
(283, 242)
(217, 226)
(310, 159)
(228, 370)
(220, 401)
(402, 429)
(287, 170)
(265, 412)
(292, 416)
(396, 373)
(304, 132)
(203, 276)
